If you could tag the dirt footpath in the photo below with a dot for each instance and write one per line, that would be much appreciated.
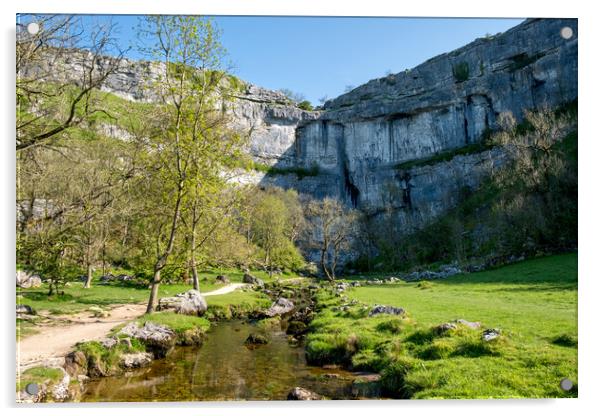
(55, 340)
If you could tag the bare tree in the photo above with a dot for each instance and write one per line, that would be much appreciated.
(334, 231)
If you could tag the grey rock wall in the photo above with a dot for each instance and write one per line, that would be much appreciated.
(364, 135)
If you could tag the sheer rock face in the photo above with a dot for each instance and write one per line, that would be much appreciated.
(359, 144)
(363, 136)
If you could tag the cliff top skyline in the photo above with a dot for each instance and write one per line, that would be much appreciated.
(324, 56)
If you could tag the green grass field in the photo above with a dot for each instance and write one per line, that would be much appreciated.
(534, 303)
(76, 298)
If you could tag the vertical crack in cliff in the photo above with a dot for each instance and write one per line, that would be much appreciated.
(466, 109)
(350, 189)
(350, 192)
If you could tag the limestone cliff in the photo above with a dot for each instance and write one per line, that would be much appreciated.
(358, 148)
(363, 138)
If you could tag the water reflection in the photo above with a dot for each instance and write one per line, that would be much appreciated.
(224, 369)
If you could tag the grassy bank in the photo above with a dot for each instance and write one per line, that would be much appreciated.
(533, 303)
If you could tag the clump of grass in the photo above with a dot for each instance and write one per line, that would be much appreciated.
(394, 326)
(425, 284)
(565, 340)
(394, 375)
(438, 349)
(190, 330)
(39, 375)
(269, 323)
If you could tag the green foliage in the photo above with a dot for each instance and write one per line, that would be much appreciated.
(301, 173)
(461, 71)
(305, 105)
(523, 59)
(273, 221)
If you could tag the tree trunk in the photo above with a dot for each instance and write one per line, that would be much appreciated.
(324, 265)
(88, 277)
(104, 251)
(153, 300)
(195, 273)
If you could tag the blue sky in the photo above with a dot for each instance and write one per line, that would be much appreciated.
(318, 56)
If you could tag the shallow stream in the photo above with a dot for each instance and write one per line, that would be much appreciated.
(223, 368)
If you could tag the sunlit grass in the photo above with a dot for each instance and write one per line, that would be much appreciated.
(533, 303)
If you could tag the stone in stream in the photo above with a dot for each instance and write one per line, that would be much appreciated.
(136, 360)
(296, 328)
(256, 339)
(249, 278)
(299, 393)
(366, 385)
(389, 310)
(187, 303)
(157, 338)
(280, 307)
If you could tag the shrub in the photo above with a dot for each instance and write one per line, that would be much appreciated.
(461, 71)
(305, 105)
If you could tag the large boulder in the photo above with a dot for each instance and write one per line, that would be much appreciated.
(280, 307)
(25, 310)
(187, 303)
(299, 393)
(250, 279)
(157, 338)
(389, 310)
(27, 280)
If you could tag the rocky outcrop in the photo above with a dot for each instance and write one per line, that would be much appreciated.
(388, 310)
(280, 307)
